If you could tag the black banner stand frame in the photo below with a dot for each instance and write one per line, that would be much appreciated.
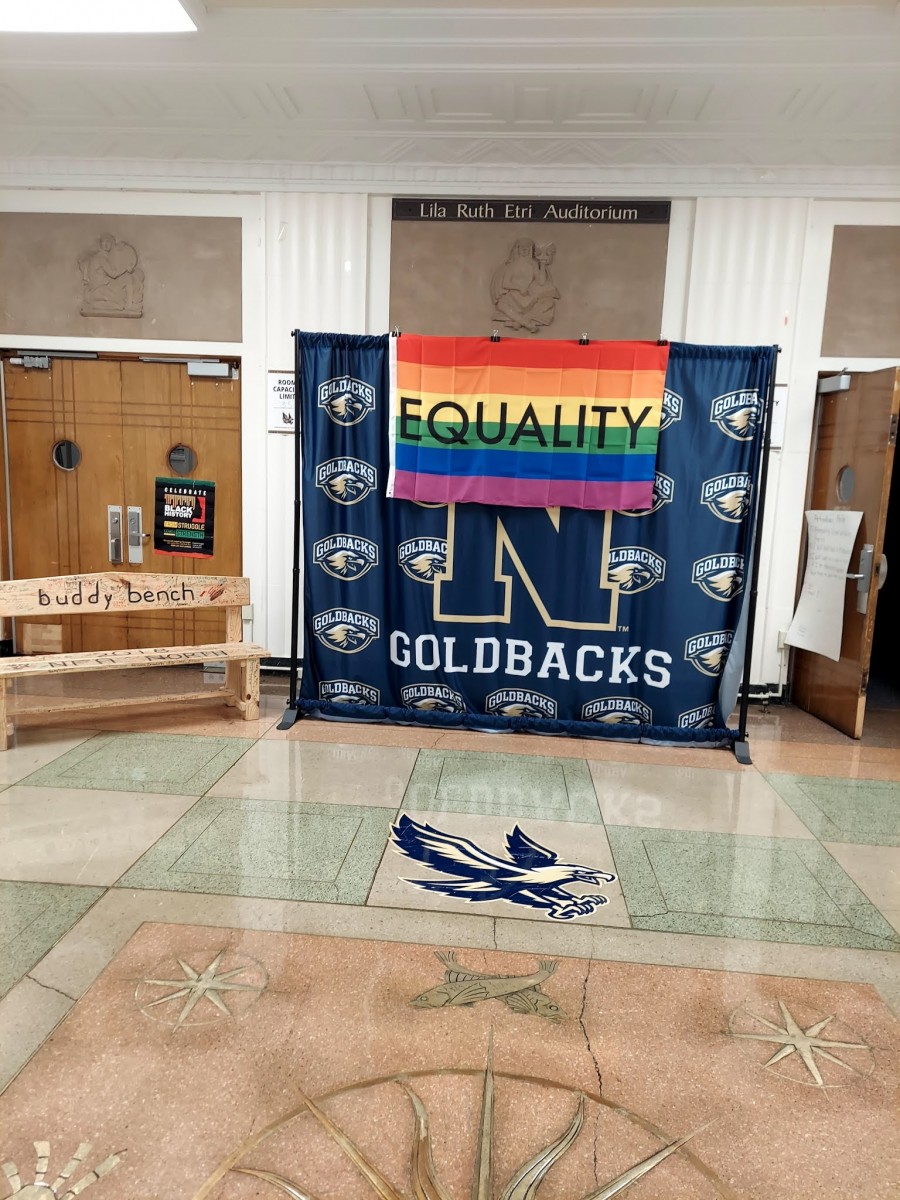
(292, 713)
(741, 744)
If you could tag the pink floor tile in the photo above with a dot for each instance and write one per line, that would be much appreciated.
(182, 1094)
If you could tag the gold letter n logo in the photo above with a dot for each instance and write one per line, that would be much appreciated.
(558, 555)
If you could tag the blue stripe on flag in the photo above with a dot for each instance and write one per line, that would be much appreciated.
(508, 464)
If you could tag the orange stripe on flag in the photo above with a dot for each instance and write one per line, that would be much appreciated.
(527, 381)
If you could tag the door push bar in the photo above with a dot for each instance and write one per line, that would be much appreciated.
(863, 576)
(136, 535)
(114, 528)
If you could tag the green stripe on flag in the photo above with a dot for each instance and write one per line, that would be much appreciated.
(616, 441)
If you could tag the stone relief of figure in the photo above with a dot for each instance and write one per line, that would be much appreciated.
(522, 288)
(112, 281)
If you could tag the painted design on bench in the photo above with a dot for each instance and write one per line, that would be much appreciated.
(77, 597)
(120, 658)
(108, 592)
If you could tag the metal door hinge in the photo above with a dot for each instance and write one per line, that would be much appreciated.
(892, 436)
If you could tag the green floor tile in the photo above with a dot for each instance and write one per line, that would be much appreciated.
(844, 810)
(282, 850)
(516, 785)
(732, 885)
(33, 917)
(144, 762)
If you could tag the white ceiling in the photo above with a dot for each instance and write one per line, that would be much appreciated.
(595, 91)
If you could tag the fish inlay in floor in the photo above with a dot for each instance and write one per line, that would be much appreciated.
(521, 993)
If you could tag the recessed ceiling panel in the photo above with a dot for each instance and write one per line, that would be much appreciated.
(627, 85)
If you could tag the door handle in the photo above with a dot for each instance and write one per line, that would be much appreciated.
(882, 571)
(114, 529)
(863, 577)
(135, 534)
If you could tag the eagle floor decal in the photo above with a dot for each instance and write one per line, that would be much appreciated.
(623, 624)
(530, 874)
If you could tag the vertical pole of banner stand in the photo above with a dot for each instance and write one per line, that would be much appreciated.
(291, 713)
(742, 744)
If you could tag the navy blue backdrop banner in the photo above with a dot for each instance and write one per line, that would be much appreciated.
(559, 621)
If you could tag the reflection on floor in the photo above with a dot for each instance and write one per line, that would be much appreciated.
(348, 961)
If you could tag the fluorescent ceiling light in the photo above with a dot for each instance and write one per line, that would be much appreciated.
(94, 16)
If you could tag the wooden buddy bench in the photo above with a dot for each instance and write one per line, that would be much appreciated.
(117, 593)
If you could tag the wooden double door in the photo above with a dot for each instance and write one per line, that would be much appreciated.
(852, 469)
(89, 437)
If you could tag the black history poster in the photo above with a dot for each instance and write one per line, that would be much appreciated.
(184, 517)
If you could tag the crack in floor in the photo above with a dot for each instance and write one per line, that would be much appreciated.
(49, 988)
(590, 1048)
(586, 1036)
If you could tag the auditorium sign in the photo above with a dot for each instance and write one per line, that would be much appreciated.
(553, 212)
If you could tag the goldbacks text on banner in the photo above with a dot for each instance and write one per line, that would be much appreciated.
(559, 620)
(532, 424)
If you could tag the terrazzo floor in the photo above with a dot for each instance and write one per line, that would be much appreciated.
(751, 921)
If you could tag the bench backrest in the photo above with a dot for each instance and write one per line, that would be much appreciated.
(71, 595)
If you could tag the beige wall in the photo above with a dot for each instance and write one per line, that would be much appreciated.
(610, 277)
(862, 313)
(191, 266)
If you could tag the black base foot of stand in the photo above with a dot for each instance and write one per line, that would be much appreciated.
(741, 752)
(290, 718)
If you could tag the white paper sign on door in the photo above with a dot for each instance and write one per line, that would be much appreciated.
(778, 416)
(281, 402)
(819, 620)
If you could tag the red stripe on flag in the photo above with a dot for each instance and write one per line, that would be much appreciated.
(523, 352)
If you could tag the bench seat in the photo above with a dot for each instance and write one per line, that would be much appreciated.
(117, 660)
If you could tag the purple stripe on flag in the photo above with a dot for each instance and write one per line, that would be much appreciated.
(523, 493)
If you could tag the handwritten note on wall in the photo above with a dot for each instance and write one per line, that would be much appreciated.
(819, 620)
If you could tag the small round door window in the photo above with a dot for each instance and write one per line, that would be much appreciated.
(182, 459)
(66, 455)
(845, 484)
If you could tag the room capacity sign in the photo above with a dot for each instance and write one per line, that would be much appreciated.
(184, 517)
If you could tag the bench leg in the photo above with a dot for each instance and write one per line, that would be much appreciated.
(250, 690)
(234, 686)
(4, 734)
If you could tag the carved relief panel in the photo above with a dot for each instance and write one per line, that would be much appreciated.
(112, 281)
(552, 269)
(80, 274)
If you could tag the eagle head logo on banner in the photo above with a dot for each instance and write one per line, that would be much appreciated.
(738, 414)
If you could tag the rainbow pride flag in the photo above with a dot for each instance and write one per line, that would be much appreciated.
(529, 423)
